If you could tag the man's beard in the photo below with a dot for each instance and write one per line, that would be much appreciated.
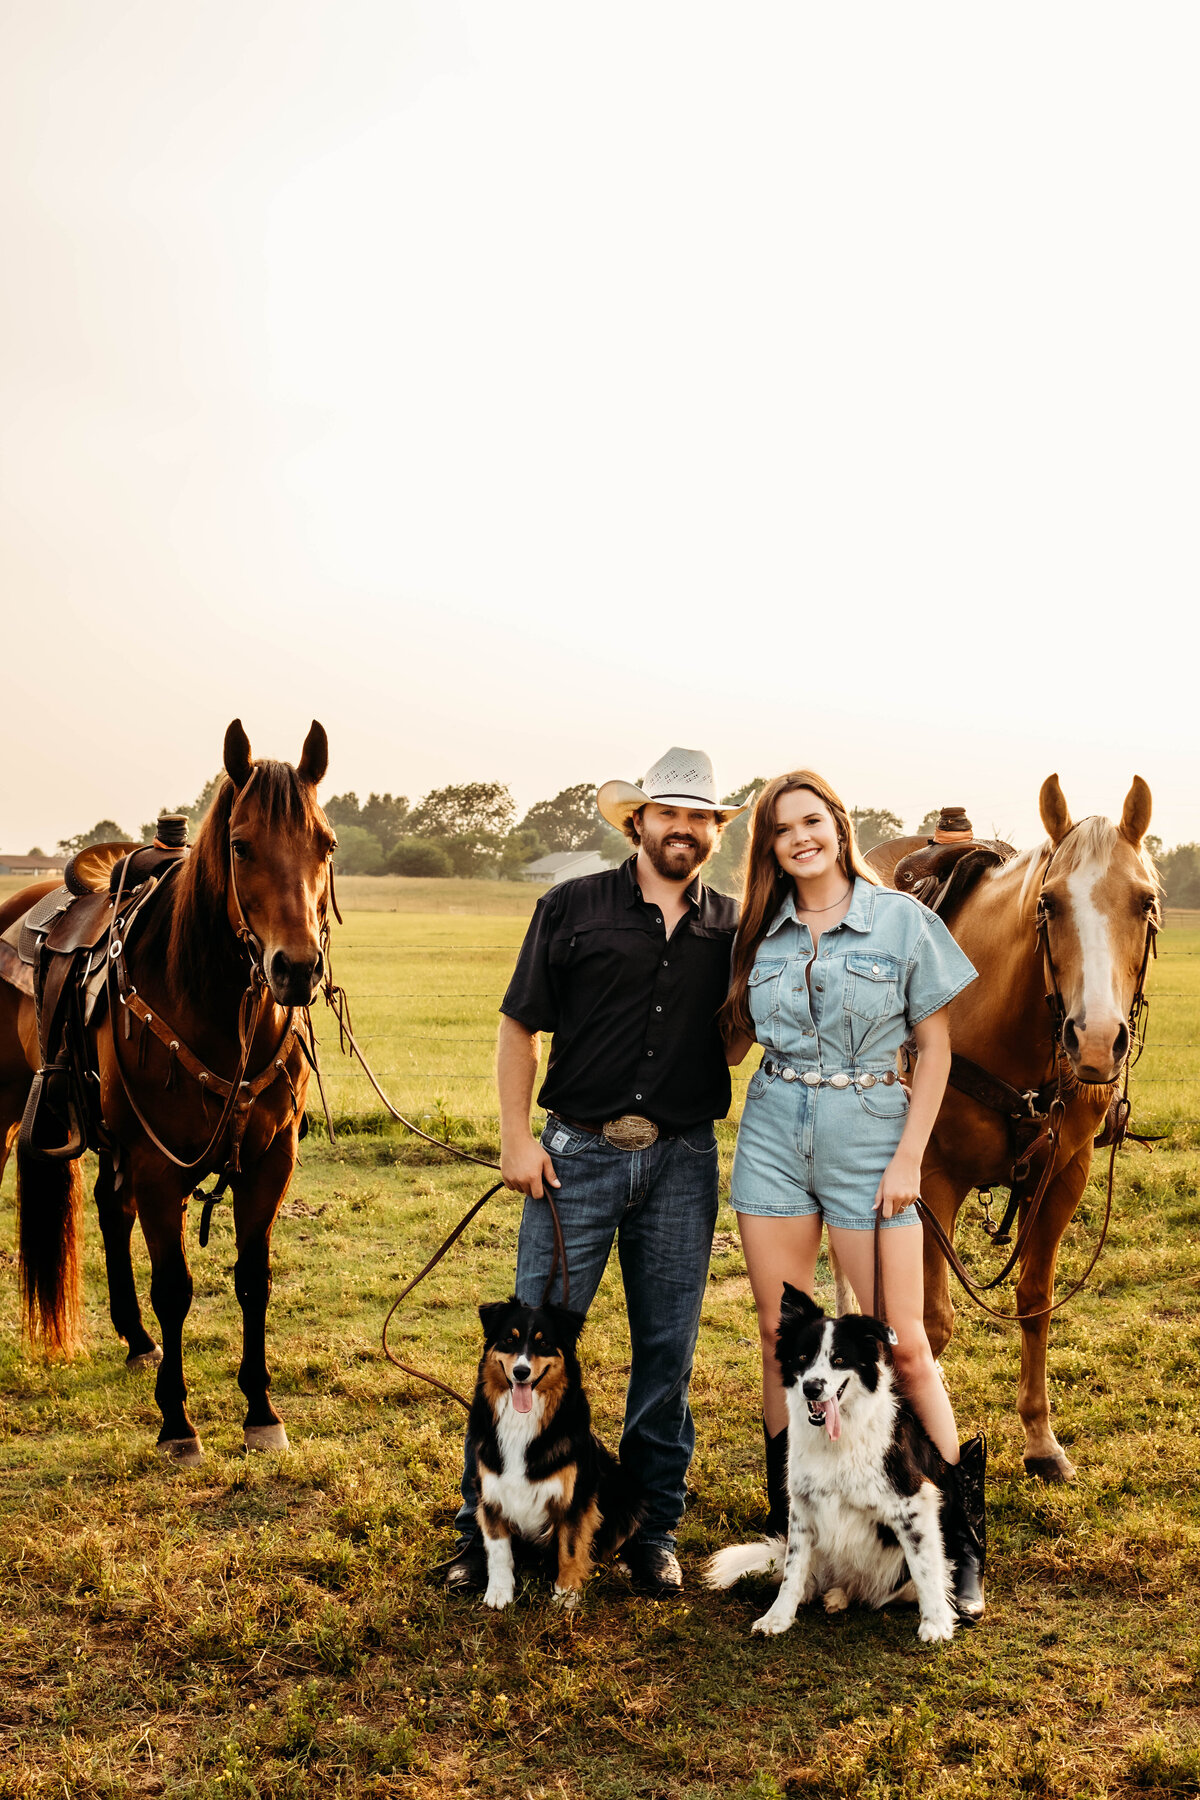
(674, 862)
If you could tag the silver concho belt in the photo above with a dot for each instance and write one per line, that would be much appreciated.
(843, 1079)
(630, 1132)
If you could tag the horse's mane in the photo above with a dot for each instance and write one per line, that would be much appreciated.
(1093, 840)
(200, 946)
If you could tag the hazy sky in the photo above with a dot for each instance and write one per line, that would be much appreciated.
(522, 388)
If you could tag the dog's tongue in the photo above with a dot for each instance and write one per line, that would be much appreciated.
(522, 1396)
(833, 1418)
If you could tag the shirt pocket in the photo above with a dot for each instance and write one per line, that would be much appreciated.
(872, 984)
(763, 992)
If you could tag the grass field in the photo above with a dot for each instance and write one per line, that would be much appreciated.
(266, 1627)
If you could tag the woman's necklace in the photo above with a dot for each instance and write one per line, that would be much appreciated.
(829, 908)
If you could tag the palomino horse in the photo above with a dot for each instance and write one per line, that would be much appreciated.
(201, 1001)
(1069, 922)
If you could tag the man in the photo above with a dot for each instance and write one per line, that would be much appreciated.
(627, 969)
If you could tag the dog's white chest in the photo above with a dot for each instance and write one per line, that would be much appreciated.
(523, 1504)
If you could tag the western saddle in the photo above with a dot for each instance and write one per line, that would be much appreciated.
(58, 953)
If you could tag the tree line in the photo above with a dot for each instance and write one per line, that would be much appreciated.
(471, 829)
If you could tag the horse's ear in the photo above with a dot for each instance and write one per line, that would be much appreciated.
(1135, 815)
(237, 755)
(1053, 807)
(314, 758)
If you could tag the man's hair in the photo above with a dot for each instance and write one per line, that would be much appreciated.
(629, 825)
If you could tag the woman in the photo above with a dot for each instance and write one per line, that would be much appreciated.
(831, 973)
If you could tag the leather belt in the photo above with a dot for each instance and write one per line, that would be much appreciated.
(858, 1078)
(628, 1132)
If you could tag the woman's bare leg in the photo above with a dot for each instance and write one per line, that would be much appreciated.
(777, 1250)
(902, 1252)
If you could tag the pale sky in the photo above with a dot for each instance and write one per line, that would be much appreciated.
(522, 388)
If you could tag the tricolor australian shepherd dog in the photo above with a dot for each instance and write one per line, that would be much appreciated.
(865, 1481)
(544, 1476)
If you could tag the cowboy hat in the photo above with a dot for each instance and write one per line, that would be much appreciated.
(680, 778)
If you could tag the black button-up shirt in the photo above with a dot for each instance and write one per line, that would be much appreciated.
(633, 1012)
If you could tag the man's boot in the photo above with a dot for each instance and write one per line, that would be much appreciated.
(777, 1486)
(964, 1525)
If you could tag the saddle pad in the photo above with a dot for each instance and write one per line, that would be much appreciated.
(17, 973)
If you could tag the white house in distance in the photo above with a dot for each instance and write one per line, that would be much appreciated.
(33, 866)
(564, 865)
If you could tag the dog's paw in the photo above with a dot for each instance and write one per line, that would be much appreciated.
(499, 1595)
(938, 1628)
(773, 1622)
(566, 1597)
(836, 1599)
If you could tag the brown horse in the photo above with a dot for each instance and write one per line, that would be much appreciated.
(201, 1000)
(1092, 889)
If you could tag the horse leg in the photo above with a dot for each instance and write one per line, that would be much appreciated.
(1044, 1455)
(256, 1199)
(160, 1207)
(117, 1213)
(943, 1198)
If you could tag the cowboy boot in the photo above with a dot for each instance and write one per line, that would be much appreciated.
(777, 1482)
(964, 1525)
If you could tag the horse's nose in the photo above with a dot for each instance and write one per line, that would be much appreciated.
(1070, 1038)
(294, 978)
(1121, 1046)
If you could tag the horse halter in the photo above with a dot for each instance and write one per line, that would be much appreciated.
(250, 943)
(1054, 1000)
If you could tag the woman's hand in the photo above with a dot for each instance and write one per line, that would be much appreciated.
(900, 1186)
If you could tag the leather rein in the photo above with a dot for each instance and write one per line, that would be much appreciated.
(1025, 1108)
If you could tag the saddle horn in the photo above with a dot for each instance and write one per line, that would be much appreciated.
(314, 758)
(237, 755)
(1056, 815)
(1135, 815)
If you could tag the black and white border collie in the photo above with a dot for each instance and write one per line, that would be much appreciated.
(544, 1476)
(865, 1481)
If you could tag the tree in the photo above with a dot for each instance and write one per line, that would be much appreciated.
(472, 809)
(105, 831)
(874, 825)
(928, 824)
(1179, 872)
(194, 814)
(359, 851)
(344, 811)
(520, 847)
(418, 856)
(387, 816)
(726, 869)
(568, 822)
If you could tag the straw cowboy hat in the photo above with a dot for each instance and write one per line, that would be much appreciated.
(680, 778)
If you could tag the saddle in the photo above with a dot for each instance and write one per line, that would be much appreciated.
(58, 953)
(941, 871)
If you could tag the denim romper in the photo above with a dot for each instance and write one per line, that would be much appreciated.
(803, 1149)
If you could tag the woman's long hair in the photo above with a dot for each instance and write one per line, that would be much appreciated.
(765, 885)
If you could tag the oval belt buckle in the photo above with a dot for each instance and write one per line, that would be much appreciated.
(788, 1074)
(868, 1080)
(811, 1078)
(840, 1080)
(630, 1132)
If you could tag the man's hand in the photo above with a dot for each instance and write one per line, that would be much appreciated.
(526, 1167)
(900, 1185)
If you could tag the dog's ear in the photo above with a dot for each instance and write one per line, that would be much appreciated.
(493, 1313)
(567, 1325)
(797, 1307)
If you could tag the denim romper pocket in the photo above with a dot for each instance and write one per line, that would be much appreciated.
(872, 980)
(763, 991)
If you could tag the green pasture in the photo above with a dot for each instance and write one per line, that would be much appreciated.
(266, 1628)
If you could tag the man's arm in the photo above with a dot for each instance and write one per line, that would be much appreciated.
(524, 1165)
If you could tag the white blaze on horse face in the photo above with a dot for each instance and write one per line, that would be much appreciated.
(1097, 1013)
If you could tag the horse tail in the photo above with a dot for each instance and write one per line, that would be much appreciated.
(50, 1208)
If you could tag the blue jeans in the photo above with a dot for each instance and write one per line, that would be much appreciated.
(661, 1206)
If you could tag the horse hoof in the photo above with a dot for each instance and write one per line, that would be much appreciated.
(146, 1359)
(266, 1437)
(185, 1451)
(1054, 1469)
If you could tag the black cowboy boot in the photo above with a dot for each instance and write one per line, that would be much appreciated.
(964, 1525)
(777, 1483)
